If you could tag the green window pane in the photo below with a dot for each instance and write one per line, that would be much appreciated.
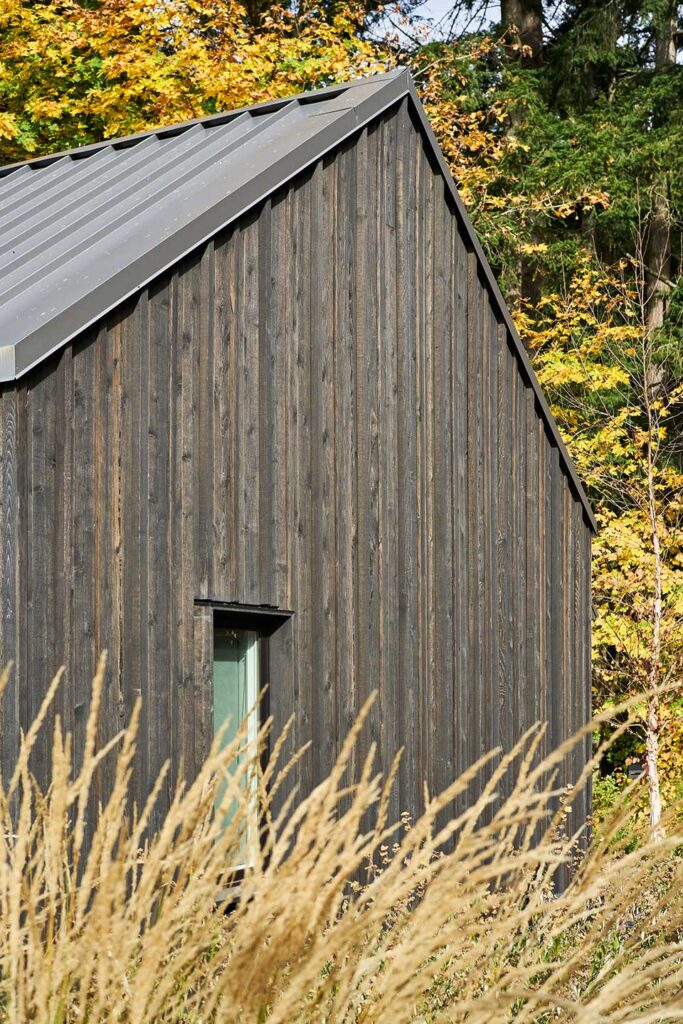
(235, 693)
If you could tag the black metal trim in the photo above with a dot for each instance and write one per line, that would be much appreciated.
(262, 619)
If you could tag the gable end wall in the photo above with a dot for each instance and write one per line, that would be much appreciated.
(321, 411)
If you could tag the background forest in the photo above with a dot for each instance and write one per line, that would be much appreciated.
(563, 127)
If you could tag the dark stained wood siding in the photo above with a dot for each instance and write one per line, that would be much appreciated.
(321, 410)
(9, 577)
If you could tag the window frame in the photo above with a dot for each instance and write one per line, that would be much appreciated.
(263, 620)
(253, 695)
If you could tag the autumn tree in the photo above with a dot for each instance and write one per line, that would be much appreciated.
(594, 352)
(70, 74)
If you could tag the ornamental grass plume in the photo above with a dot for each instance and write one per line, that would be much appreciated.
(102, 921)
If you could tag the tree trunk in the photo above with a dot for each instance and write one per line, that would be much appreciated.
(654, 673)
(652, 766)
(658, 247)
(524, 21)
(652, 723)
(658, 253)
(666, 27)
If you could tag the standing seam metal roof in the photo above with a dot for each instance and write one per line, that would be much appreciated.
(84, 230)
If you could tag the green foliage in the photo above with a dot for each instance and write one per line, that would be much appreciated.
(606, 790)
(70, 75)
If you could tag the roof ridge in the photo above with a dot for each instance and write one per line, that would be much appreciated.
(327, 92)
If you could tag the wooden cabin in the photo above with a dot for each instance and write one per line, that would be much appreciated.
(265, 418)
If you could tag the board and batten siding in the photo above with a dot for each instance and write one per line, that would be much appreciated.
(320, 410)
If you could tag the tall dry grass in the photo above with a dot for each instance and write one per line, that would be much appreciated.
(128, 928)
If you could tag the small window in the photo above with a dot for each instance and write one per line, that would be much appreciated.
(236, 688)
(235, 680)
(240, 673)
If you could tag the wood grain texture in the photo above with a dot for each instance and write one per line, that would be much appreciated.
(318, 410)
(9, 581)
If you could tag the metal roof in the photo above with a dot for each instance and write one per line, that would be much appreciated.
(81, 231)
